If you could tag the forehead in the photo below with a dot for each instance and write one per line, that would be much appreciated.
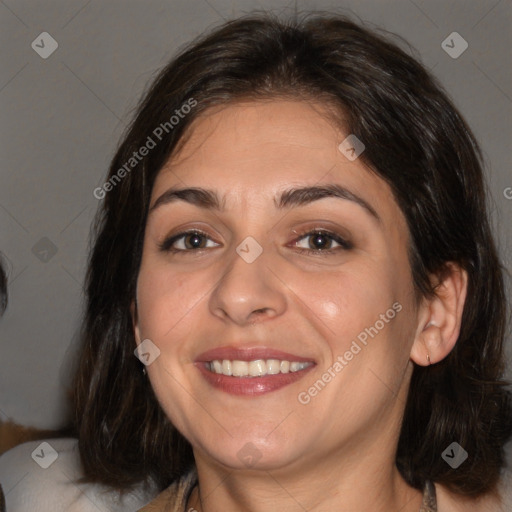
(271, 129)
(256, 149)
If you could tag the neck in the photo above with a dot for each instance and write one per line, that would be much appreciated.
(356, 484)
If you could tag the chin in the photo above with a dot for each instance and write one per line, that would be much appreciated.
(253, 453)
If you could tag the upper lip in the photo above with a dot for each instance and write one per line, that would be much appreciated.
(248, 354)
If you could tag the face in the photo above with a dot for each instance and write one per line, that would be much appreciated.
(258, 277)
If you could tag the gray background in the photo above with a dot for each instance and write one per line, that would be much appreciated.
(61, 118)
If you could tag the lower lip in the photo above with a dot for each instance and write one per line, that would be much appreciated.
(251, 386)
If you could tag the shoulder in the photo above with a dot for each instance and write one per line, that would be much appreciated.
(42, 476)
(175, 497)
(451, 502)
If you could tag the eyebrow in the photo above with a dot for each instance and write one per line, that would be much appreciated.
(289, 198)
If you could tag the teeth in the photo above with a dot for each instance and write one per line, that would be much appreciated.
(256, 368)
(273, 366)
(226, 367)
(240, 368)
(294, 367)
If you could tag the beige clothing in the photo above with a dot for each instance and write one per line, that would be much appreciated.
(175, 497)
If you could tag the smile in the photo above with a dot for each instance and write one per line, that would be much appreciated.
(251, 371)
(256, 368)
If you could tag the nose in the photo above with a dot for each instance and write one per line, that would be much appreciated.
(248, 292)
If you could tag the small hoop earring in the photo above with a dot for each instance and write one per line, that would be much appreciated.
(428, 359)
(144, 372)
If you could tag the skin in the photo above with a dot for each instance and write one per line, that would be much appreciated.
(335, 453)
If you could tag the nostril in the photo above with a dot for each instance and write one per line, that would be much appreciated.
(257, 313)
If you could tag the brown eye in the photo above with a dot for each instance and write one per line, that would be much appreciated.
(320, 242)
(194, 241)
(188, 241)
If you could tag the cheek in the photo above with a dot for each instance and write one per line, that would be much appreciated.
(347, 302)
(163, 297)
(366, 310)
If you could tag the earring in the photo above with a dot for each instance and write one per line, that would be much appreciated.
(428, 359)
(144, 372)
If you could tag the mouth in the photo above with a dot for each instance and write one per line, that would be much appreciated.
(253, 371)
(256, 368)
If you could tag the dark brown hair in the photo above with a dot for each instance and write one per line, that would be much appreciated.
(415, 140)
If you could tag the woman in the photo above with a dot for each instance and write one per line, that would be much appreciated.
(294, 244)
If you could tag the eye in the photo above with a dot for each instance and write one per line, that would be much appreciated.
(321, 243)
(186, 241)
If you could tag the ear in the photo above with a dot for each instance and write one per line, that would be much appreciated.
(439, 317)
(135, 321)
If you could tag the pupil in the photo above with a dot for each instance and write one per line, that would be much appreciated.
(195, 240)
(317, 240)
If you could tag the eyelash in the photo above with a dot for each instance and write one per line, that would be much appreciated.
(166, 245)
(344, 244)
